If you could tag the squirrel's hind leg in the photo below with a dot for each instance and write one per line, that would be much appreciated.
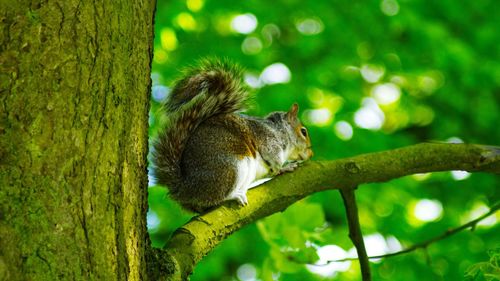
(246, 172)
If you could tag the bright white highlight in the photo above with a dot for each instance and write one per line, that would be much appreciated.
(245, 23)
(372, 73)
(329, 253)
(377, 245)
(479, 210)
(258, 182)
(454, 140)
(153, 221)
(343, 130)
(276, 73)
(160, 92)
(247, 272)
(252, 81)
(369, 116)
(393, 244)
(428, 210)
(151, 178)
(460, 175)
(319, 117)
(386, 93)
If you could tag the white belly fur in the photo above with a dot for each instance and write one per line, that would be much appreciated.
(249, 170)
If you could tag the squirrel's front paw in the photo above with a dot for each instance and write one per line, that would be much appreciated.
(290, 166)
(241, 197)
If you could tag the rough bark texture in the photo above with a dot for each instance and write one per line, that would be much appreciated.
(74, 101)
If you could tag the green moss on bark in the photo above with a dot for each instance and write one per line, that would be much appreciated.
(73, 138)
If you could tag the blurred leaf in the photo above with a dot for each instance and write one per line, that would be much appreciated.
(442, 58)
(283, 263)
(308, 216)
(488, 271)
(267, 270)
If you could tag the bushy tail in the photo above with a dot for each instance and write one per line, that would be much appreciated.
(214, 87)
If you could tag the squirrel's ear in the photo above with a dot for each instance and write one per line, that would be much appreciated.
(293, 112)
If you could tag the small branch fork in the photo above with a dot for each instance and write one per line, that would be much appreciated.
(422, 245)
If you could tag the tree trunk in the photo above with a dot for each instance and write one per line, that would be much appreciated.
(74, 102)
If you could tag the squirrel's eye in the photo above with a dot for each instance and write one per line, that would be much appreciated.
(303, 131)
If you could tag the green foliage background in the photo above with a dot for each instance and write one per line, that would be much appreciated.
(441, 57)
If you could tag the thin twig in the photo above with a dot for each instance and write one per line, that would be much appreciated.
(426, 243)
(355, 231)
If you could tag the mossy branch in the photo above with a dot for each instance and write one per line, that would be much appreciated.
(190, 243)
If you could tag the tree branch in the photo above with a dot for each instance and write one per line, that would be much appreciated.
(355, 233)
(190, 243)
(472, 224)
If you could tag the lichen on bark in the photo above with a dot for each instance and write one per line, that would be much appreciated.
(73, 138)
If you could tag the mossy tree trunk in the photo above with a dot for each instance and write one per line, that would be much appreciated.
(74, 101)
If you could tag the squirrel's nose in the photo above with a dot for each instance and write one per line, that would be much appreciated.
(308, 153)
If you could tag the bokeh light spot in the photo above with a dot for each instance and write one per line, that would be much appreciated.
(244, 24)
(153, 221)
(384, 210)
(389, 7)
(319, 117)
(309, 26)
(195, 5)
(276, 73)
(423, 115)
(186, 21)
(454, 140)
(478, 210)
(251, 46)
(372, 73)
(160, 92)
(247, 272)
(160, 56)
(329, 253)
(343, 130)
(270, 32)
(386, 94)
(460, 175)
(168, 39)
(428, 210)
(377, 245)
(252, 80)
(369, 116)
(427, 84)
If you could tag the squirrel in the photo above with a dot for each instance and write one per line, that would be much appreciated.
(209, 152)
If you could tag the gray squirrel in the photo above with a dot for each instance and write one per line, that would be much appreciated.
(209, 152)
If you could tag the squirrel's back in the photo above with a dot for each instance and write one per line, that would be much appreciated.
(212, 88)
